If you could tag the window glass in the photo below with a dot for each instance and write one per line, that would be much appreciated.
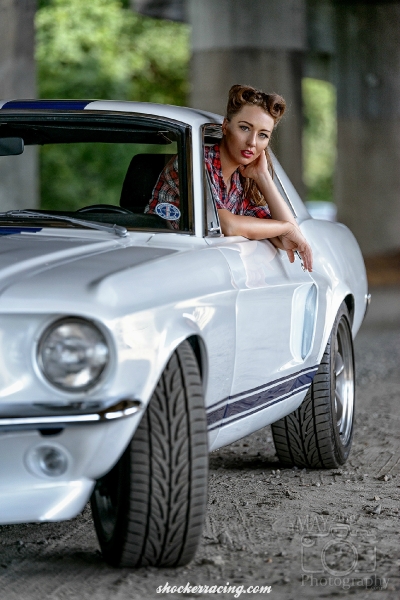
(283, 193)
(107, 172)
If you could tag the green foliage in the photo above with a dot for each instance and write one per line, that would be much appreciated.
(319, 138)
(81, 175)
(102, 49)
(99, 49)
(88, 173)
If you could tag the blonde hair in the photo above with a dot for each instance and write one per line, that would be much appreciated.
(274, 105)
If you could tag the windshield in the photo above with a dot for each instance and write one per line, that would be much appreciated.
(99, 169)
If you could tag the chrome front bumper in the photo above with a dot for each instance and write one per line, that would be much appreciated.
(39, 416)
(91, 438)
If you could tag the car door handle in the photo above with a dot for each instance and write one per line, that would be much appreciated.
(301, 260)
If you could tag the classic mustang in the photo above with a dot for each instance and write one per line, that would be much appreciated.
(133, 343)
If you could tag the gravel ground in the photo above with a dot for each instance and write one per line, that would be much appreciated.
(307, 534)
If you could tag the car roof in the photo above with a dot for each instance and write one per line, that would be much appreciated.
(191, 116)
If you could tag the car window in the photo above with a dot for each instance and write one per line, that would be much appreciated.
(212, 134)
(213, 227)
(283, 193)
(131, 174)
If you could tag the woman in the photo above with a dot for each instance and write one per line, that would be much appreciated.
(241, 174)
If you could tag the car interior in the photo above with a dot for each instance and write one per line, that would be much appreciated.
(144, 148)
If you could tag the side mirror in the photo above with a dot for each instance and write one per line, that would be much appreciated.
(11, 146)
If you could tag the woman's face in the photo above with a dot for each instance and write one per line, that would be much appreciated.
(247, 134)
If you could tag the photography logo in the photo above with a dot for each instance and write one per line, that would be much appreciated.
(334, 554)
(338, 552)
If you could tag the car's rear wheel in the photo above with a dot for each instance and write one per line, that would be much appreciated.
(149, 509)
(319, 433)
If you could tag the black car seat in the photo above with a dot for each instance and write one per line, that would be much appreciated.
(140, 179)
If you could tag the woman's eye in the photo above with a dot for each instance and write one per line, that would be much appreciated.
(244, 128)
(264, 136)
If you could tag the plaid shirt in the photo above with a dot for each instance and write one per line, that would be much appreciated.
(234, 199)
(167, 188)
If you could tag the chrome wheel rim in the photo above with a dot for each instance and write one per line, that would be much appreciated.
(344, 382)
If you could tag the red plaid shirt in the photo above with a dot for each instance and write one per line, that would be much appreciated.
(167, 188)
(233, 200)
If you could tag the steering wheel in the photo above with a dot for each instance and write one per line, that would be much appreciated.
(104, 208)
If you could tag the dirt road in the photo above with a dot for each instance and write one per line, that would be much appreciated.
(307, 534)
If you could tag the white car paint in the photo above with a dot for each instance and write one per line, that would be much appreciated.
(147, 293)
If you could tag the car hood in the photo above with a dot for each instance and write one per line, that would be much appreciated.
(66, 267)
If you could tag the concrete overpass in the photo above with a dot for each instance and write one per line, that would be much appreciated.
(272, 45)
(353, 44)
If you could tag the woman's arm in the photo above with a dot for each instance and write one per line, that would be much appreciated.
(282, 229)
(278, 208)
(253, 228)
(276, 241)
(258, 171)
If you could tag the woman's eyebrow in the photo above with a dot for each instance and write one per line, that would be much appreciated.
(251, 125)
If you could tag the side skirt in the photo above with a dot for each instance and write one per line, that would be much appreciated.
(242, 414)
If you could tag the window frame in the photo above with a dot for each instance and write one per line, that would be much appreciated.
(95, 117)
(209, 202)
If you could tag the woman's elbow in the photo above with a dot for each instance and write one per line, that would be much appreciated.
(232, 227)
(227, 222)
(228, 229)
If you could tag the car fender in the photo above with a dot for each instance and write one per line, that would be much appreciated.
(339, 272)
(116, 438)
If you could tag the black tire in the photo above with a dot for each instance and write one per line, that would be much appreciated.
(149, 509)
(319, 433)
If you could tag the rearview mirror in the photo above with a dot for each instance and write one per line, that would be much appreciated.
(11, 146)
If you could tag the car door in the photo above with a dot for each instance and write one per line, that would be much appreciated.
(276, 308)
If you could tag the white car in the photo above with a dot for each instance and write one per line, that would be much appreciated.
(133, 344)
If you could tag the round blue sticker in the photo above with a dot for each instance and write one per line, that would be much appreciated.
(168, 211)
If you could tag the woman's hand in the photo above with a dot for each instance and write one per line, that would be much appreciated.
(256, 169)
(294, 241)
(283, 234)
(259, 172)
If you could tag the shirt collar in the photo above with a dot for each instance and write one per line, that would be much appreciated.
(217, 163)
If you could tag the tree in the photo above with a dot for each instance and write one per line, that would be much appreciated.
(319, 138)
(102, 49)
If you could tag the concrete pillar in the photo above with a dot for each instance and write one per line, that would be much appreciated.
(320, 40)
(256, 42)
(368, 97)
(173, 10)
(18, 174)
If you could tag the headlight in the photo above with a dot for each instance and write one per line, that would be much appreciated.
(72, 354)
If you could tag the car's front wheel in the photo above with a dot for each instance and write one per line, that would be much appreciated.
(149, 509)
(319, 433)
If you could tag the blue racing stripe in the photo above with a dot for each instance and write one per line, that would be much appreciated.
(13, 230)
(252, 391)
(216, 415)
(257, 409)
(269, 395)
(46, 104)
(275, 382)
(258, 398)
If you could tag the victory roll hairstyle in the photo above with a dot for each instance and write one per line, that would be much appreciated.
(274, 105)
(239, 95)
